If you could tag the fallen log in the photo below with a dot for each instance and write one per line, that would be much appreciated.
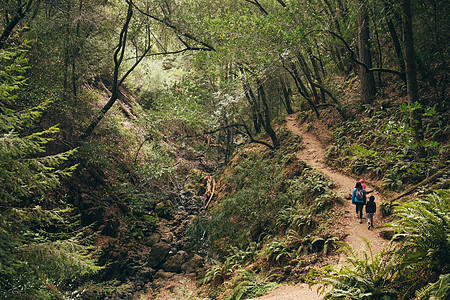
(425, 181)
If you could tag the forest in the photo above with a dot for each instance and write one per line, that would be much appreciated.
(163, 149)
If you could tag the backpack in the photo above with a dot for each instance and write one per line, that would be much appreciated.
(359, 194)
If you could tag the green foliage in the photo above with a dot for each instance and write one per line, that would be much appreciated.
(436, 290)
(248, 255)
(425, 225)
(363, 278)
(387, 208)
(218, 273)
(324, 243)
(276, 251)
(40, 251)
(382, 146)
(263, 190)
(98, 290)
(268, 198)
(25, 169)
(249, 285)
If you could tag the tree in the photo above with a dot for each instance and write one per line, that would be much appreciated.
(32, 263)
(119, 55)
(411, 77)
(24, 168)
(367, 79)
(14, 12)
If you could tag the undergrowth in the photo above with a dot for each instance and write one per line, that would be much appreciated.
(269, 223)
(380, 144)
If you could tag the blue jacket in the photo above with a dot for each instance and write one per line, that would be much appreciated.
(356, 200)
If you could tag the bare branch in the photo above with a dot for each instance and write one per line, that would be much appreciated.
(353, 56)
(166, 22)
(247, 131)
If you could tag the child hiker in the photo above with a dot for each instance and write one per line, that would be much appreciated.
(371, 208)
(359, 199)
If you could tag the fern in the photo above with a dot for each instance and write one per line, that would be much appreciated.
(362, 278)
(276, 251)
(249, 285)
(219, 272)
(426, 224)
(437, 290)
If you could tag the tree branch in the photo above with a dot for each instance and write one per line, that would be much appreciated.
(353, 57)
(177, 30)
(255, 2)
(247, 131)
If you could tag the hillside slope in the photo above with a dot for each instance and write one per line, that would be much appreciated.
(314, 155)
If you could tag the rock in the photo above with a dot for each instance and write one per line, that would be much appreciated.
(166, 234)
(158, 254)
(146, 273)
(173, 264)
(153, 239)
(163, 275)
(183, 254)
(196, 262)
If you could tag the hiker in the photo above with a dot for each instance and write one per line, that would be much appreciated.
(362, 183)
(359, 199)
(371, 208)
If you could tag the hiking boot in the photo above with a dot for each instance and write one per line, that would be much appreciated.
(360, 221)
(368, 227)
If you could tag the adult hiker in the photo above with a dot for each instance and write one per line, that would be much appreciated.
(359, 199)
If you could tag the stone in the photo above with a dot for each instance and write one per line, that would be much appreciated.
(158, 254)
(192, 265)
(153, 239)
(174, 263)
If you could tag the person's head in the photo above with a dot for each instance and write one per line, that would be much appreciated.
(371, 198)
(358, 185)
(361, 180)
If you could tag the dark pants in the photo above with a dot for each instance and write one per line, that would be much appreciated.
(359, 209)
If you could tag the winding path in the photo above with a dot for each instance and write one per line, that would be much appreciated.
(314, 155)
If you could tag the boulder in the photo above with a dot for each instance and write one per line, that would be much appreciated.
(191, 266)
(158, 254)
(174, 263)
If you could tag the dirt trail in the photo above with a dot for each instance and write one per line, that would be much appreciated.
(314, 155)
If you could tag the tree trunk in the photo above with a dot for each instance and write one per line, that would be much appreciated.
(316, 73)
(301, 88)
(287, 97)
(367, 79)
(307, 72)
(21, 11)
(411, 77)
(118, 58)
(335, 51)
(267, 119)
(256, 116)
(394, 36)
